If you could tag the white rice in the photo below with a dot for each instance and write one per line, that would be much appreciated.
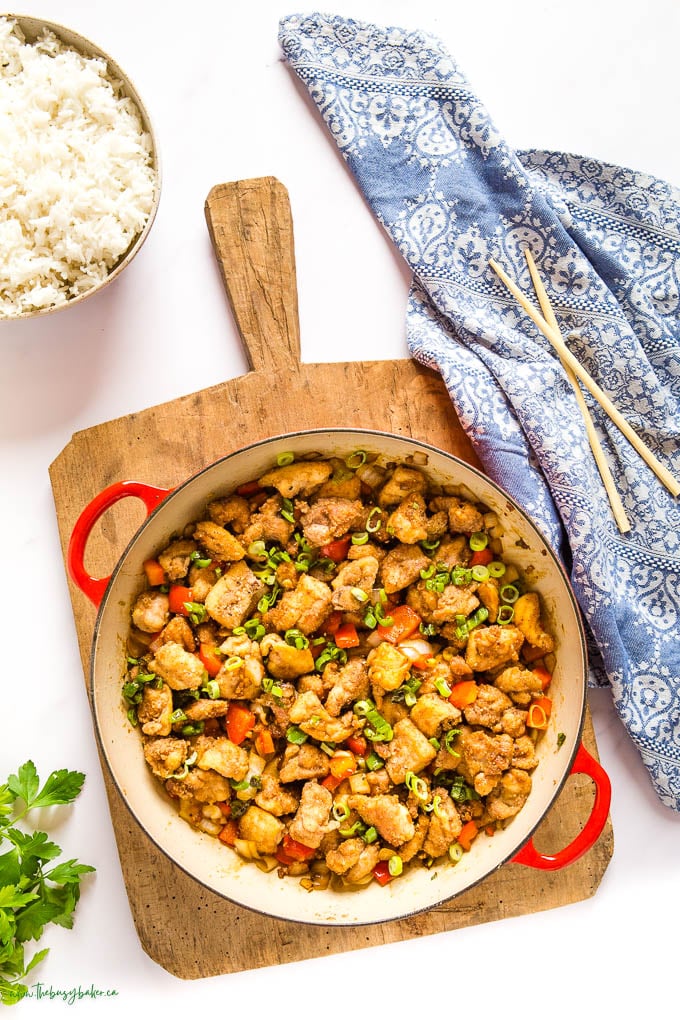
(76, 177)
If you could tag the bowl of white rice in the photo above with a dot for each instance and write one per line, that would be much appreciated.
(79, 168)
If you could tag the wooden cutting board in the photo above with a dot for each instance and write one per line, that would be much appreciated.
(183, 927)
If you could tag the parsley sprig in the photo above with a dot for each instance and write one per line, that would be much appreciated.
(34, 889)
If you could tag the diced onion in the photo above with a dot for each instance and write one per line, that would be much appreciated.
(247, 848)
(212, 828)
(416, 648)
(371, 475)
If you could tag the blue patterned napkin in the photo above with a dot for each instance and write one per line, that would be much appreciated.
(451, 194)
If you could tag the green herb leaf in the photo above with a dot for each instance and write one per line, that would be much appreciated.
(25, 784)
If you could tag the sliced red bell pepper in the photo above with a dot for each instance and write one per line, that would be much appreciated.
(467, 834)
(294, 850)
(155, 574)
(332, 782)
(239, 722)
(405, 622)
(358, 745)
(210, 659)
(229, 832)
(337, 549)
(346, 636)
(264, 743)
(343, 764)
(332, 623)
(481, 558)
(381, 873)
(544, 674)
(249, 488)
(177, 596)
(463, 694)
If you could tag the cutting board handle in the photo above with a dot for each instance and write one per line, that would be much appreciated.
(251, 229)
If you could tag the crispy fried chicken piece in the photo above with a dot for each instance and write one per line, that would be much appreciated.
(528, 619)
(386, 812)
(151, 611)
(327, 519)
(232, 510)
(165, 755)
(408, 850)
(180, 669)
(445, 825)
(303, 761)
(510, 795)
(345, 855)
(175, 558)
(402, 483)
(312, 820)
(432, 714)
(273, 798)
(203, 786)
(518, 680)
(401, 567)
(310, 715)
(306, 607)
(408, 523)
(359, 575)
(179, 631)
(488, 707)
(218, 542)
(483, 758)
(455, 600)
(284, 661)
(262, 828)
(155, 711)
(408, 751)
(351, 683)
(299, 478)
(206, 708)
(234, 596)
(388, 666)
(221, 755)
(464, 517)
(524, 754)
(268, 525)
(488, 647)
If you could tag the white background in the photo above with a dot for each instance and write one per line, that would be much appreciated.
(596, 78)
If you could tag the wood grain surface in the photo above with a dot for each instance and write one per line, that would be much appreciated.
(188, 930)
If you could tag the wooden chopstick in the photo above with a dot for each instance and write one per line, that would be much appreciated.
(555, 338)
(618, 511)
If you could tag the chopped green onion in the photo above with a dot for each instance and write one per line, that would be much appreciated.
(356, 459)
(360, 538)
(385, 621)
(435, 743)
(456, 852)
(461, 792)
(331, 653)
(395, 865)
(284, 459)
(178, 716)
(370, 620)
(449, 737)
(233, 662)
(340, 811)
(496, 568)
(197, 612)
(374, 762)
(294, 735)
(478, 541)
(480, 572)
(461, 576)
(428, 629)
(239, 784)
(442, 687)
(509, 593)
(238, 808)
(561, 737)
(270, 686)
(193, 729)
(358, 827)
(267, 601)
(505, 614)
(370, 835)
(198, 560)
(296, 638)
(408, 692)
(378, 729)
(326, 563)
(132, 662)
(328, 747)
(382, 595)
(374, 520)
(254, 629)
(431, 544)
(416, 785)
(427, 572)
(212, 689)
(359, 594)
(303, 562)
(132, 716)
(287, 511)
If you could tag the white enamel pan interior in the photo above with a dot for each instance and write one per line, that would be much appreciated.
(217, 867)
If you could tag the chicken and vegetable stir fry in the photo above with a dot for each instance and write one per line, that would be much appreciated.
(336, 674)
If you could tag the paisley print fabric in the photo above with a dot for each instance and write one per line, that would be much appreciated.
(452, 194)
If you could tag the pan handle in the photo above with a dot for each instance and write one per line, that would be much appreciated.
(591, 831)
(94, 587)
